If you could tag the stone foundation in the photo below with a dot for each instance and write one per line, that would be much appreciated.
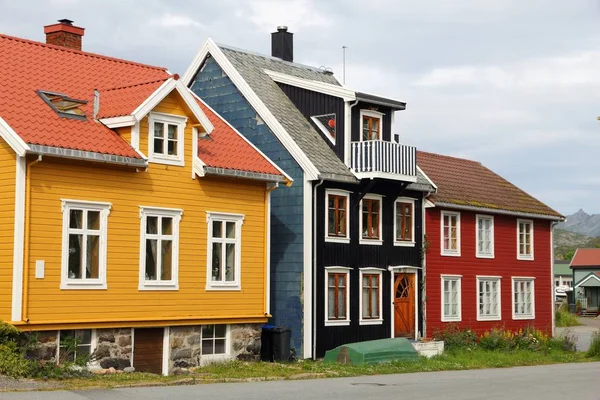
(113, 348)
(45, 350)
(245, 341)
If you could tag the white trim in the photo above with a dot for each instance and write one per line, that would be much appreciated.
(222, 217)
(401, 243)
(498, 211)
(18, 238)
(376, 242)
(268, 255)
(158, 284)
(372, 114)
(450, 252)
(531, 280)
(167, 119)
(315, 86)
(586, 279)
(498, 280)
(337, 270)
(166, 351)
(450, 278)
(385, 175)
(86, 284)
(309, 324)
(347, 132)
(210, 47)
(427, 177)
(207, 359)
(119, 122)
(370, 321)
(492, 242)
(13, 139)
(135, 137)
(132, 346)
(337, 239)
(403, 269)
(198, 168)
(527, 257)
(323, 128)
(428, 203)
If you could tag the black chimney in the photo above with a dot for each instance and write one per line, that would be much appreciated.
(282, 44)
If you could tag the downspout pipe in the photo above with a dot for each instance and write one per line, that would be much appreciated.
(26, 251)
(314, 254)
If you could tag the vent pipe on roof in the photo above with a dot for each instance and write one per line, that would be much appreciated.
(64, 34)
(96, 103)
(282, 44)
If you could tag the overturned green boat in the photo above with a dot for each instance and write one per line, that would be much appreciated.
(372, 352)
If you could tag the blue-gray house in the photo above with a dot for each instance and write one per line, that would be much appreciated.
(346, 237)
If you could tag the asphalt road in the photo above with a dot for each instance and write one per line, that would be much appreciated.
(552, 382)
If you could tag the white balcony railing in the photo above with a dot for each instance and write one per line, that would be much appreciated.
(377, 157)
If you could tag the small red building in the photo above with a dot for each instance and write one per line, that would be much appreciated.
(489, 250)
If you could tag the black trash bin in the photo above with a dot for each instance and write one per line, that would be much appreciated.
(275, 343)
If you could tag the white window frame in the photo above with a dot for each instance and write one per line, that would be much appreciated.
(337, 270)
(93, 344)
(371, 321)
(238, 219)
(497, 279)
(207, 359)
(159, 212)
(376, 242)
(337, 239)
(104, 209)
(323, 128)
(171, 119)
(458, 279)
(448, 252)
(528, 257)
(373, 114)
(491, 219)
(397, 242)
(531, 280)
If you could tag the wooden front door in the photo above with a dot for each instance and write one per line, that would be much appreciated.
(404, 305)
(148, 350)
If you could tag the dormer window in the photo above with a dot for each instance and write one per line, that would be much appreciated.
(327, 124)
(63, 105)
(371, 124)
(165, 141)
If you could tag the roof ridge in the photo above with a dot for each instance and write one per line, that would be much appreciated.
(84, 53)
(136, 84)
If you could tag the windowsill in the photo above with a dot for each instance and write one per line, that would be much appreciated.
(167, 161)
(491, 318)
(345, 322)
(372, 242)
(83, 286)
(484, 255)
(451, 319)
(207, 359)
(525, 258)
(158, 286)
(334, 239)
(450, 254)
(371, 322)
(523, 317)
(236, 287)
(404, 243)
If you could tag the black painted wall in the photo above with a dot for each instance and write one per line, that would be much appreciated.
(356, 123)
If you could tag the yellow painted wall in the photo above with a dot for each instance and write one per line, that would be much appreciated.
(160, 186)
(7, 213)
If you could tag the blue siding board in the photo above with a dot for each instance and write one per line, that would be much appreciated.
(287, 251)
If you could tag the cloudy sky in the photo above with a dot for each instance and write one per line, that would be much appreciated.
(514, 84)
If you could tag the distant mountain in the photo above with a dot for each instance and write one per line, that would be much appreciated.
(565, 243)
(582, 222)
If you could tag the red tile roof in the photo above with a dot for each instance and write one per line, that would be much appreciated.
(468, 183)
(121, 101)
(224, 139)
(586, 258)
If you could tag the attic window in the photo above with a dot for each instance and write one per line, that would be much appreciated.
(63, 105)
(327, 124)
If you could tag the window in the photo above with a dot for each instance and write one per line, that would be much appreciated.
(371, 124)
(84, 244)
(214, 340)
(557, 283)
(63, 105)
(337, 216)
(485, 236)
(165, 143)
(370, 296)
(488, 299)
(450, 233)
(224, 251)
(370, 219)
(159, 248)
(404, 224)
(337, 300)
(327, 124)
(74, 346)
(524, 239)
(451, 298)
(523, 295)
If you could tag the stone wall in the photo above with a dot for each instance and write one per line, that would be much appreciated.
(113, 348)
(245, 341)
(46, 346)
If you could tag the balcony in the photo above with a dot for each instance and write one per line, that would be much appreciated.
(388, 160)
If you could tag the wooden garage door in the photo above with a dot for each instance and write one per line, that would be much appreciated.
(148, 350)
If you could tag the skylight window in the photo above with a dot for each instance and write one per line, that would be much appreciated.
(63, 105)
(327, 124)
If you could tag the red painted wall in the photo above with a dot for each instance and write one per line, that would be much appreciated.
(505, 264)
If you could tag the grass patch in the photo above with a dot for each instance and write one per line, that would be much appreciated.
(565, 319)
(594, 350)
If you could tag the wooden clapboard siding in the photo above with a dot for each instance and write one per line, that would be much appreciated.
(7, 213)
(148, 350)
(159, 186)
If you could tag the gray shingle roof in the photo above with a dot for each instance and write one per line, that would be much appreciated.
(251, 67)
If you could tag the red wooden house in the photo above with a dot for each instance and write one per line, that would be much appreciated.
(489, 256)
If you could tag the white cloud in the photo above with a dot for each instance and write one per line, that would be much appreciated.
(176, 21)
(296, 14)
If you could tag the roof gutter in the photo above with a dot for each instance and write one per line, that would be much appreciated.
(87, 156)
(499, 211)
(234, 173)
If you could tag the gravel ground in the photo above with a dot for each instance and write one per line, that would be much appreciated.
(7, 383)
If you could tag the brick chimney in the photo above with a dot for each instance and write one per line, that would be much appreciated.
(64, 34)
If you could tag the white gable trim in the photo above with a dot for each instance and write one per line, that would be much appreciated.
(13, 139)
(315, 86)
(210, 47)
(118, 122)
(426, 177)
(587, 279)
